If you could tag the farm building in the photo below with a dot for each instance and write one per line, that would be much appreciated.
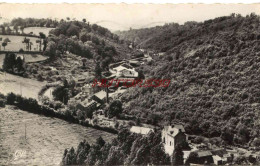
(141, 130)
(87, 105)
(127, 73)
(100, 96)
(171, 136)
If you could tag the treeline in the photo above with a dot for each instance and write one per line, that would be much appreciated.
(34, 22)
(127, 149)
(32, 105)
(214, 68)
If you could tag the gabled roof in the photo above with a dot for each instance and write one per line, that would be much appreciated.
(101, 94)
(174, 130)
(119, 68)
(204, 153)
(219, 152)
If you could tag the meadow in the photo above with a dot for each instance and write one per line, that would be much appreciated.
(37, 30)
(16, 44)
(44, 140)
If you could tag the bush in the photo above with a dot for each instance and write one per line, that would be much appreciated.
(2, 102)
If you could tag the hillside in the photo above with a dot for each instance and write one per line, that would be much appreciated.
(215, 71)
(84, 39)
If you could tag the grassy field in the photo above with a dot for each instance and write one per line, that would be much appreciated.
(46, 138)
(37, 30)
(19, 85)
(16, 43)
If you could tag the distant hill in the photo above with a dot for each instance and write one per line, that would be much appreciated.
(214, 69)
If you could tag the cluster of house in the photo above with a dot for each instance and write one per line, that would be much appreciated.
(93, 102)
(174, 134)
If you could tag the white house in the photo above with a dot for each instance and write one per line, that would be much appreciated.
(171, 136)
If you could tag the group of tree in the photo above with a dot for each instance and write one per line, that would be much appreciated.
(61, 93)
(13, 63)
(214, 72)
(83, 39)
(34, 22)
(127, 149)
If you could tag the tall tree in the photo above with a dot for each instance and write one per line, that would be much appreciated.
(9, 62)
(115, 108)
(4, 44)
(177, 155)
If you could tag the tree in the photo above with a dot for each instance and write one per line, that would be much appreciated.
(51, 50)
(115, 108)
(4, 44)
(158, 156)
(9, 62)
(100, 141)
(19, 64)
(7, 40)
(98, 71)
(84, 20)
(22, 28)
(42, 36)
(3, 29)
(177, 155)
(61, 93)
(27, 43)
(94, 27)
(16, 29)
(73, 30)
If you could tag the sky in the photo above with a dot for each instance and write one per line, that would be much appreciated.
(123, 16)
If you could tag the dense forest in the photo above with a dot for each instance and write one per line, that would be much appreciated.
(214, 69)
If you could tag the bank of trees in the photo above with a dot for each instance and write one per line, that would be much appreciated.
(128, 148)
(214, 72)
(33, 22)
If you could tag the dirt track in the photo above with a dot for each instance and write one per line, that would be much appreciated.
(46, 138)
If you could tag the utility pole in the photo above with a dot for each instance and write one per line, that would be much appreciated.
(25, 130)
(21, 92)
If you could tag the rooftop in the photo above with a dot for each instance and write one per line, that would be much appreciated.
(140, 130)
(101, 94)
(173, 130)
(204, 153)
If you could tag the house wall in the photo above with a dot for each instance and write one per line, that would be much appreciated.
(180, 138)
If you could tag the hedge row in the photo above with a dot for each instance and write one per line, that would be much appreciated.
(32, 105)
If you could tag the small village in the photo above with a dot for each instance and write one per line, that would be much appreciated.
(95, 99)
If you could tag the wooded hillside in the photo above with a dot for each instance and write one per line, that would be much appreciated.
(215, 71)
